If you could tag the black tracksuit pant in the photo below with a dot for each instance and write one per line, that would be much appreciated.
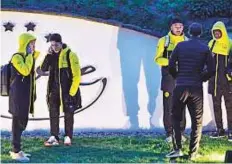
(217, 101)
(219, 87)
(54, 113)
(193, 98)
(18, 126)
(167, 116)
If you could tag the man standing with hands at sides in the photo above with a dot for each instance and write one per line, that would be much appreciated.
(22, 92)
(191, 64)
(164, 49)
(219, 85)
(63, 88)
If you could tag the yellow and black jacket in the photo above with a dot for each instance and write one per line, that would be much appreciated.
(64, 79)
(221, 49)
(22, 82)
(164, 50)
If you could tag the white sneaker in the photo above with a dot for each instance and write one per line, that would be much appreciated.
(26, 154)
(67, 141)
(175, 154)
(52, 141)
(183, 138)
(168, 139)
(20, 156)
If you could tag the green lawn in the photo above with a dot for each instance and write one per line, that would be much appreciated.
(113, 149)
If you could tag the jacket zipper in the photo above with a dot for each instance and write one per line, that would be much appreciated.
(30, 93)
(215, 80)
(61, 99)
(31, 85)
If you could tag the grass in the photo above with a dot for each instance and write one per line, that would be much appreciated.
(113, 149)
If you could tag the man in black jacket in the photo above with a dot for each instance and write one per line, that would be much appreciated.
(191, 64)
(63, 88)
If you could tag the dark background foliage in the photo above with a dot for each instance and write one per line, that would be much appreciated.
(148, 15)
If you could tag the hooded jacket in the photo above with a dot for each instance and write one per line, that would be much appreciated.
(22, 82)
(164, 49)
(64, 80)
(221, 49)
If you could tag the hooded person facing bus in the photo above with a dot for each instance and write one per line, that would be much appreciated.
(219, 85)
(22, 91)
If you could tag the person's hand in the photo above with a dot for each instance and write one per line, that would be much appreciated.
(69, 103)
(71, 93)
(229, 77)
(50, 50)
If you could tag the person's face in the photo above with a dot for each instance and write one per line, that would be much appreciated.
(217, 34)
(32, 46)
(56, 46)
(177, 29)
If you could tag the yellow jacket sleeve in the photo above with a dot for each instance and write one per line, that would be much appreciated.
(159, 59)
(76, 72)
(22, 67)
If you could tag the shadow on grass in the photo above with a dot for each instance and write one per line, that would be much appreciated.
(89, 151)
(114, 150)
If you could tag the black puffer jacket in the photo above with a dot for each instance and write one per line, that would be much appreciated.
(188, 61)
(64, 78)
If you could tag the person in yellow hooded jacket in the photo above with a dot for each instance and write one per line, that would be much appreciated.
(63, 87)
(164, 50)
(219, 86)
(22, 91)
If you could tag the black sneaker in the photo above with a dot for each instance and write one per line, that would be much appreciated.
(218, 134)
(230, 137)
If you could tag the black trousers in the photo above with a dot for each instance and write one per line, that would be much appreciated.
(217, 101)
(18, 126)
(54, 113)
(167, 116)
(193, 98)
(54, 122)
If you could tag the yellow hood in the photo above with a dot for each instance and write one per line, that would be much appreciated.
(220, 26)
(24, 39)
(222, 45)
